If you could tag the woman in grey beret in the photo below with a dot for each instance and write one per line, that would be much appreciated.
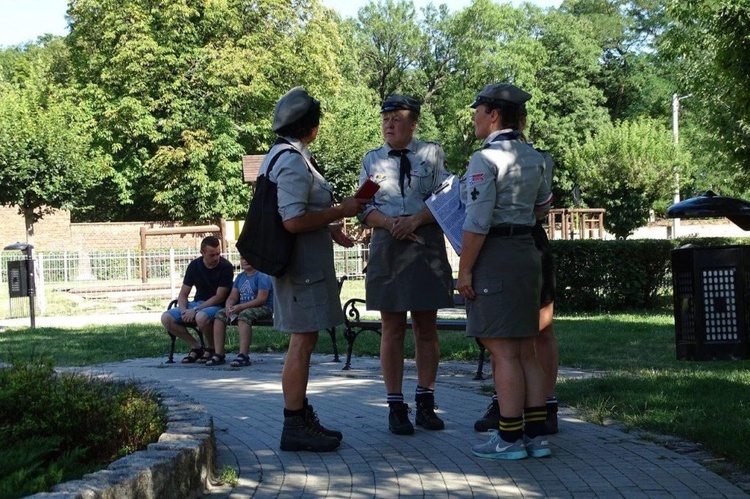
(499, 271)
(408, 268)
(545, 341)
(306, 297)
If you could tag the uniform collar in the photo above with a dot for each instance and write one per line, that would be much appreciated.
(494, 134)
(301, 147)
(411, 146)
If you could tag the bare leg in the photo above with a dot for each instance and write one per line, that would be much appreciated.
(427, 348)
(179, 330)
(220, 336)
(507, 374)
(532, 373)
(547, 349)
(294, 375)
(206, 327)
(245, 331)
(392, 350)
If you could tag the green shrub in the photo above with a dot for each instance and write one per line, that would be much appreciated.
(594, 274)
(57, 427)
(633, 274)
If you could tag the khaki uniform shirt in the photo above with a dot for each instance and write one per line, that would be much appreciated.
(427, 172)
(502, 185)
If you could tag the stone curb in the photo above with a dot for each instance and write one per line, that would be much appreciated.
(180, 465)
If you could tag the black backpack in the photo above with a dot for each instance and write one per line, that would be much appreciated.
(264, 242)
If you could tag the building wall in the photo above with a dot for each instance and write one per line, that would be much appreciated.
(55, 232)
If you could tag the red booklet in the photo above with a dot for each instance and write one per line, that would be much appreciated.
(368, 190)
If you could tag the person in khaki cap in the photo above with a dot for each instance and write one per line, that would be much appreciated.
(499, 270)
(546, 340)
(306, 297)
(408, 269)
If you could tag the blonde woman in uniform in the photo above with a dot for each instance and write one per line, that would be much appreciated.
(408, 269)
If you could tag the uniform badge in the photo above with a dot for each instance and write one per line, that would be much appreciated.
(378, 177)
(474, 194)
(476, 178)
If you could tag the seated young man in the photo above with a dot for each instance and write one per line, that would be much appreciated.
(211, 274)
(251, 299)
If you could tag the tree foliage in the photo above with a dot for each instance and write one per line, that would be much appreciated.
(625, 168)
(178, 91)
(711, 42)
(46, 157)
(183, 88)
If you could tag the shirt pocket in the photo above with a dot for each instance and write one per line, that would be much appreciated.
(425, 180)
(310, 289)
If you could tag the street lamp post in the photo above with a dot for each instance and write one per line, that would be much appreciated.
(676, 136)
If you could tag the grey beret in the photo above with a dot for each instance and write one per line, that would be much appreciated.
(396, 102)
(501, 92)
(291, 107)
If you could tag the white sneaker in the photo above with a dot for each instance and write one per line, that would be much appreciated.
(497, 448)
(537, 446)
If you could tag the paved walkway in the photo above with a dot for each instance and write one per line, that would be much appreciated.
(588, 460)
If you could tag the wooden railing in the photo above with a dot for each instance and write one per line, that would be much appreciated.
(576, 223)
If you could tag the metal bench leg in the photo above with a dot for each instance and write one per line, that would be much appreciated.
(480, 361)
(332, 332)
(350, 336)
(172, 338)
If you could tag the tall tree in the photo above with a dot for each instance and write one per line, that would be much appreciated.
(391, 40)
(626, 168)
(182, 88)
(46, 158)
(634, 79)
(568, 106)
(711, 43)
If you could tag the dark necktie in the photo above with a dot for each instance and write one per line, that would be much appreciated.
(405, 170)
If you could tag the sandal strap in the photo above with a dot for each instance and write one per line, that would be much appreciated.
(189, 358)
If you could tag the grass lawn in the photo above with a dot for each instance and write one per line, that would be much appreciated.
(644, 386)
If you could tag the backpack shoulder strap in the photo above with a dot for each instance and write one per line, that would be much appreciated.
(275, 158)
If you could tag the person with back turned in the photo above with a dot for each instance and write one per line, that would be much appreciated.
(306, 297)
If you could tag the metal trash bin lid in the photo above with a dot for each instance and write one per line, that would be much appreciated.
(709, 205)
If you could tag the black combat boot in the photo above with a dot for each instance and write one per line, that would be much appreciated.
(313, 418)
(491, 418)
(426, 416)
(398, 419)
(300, 433)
